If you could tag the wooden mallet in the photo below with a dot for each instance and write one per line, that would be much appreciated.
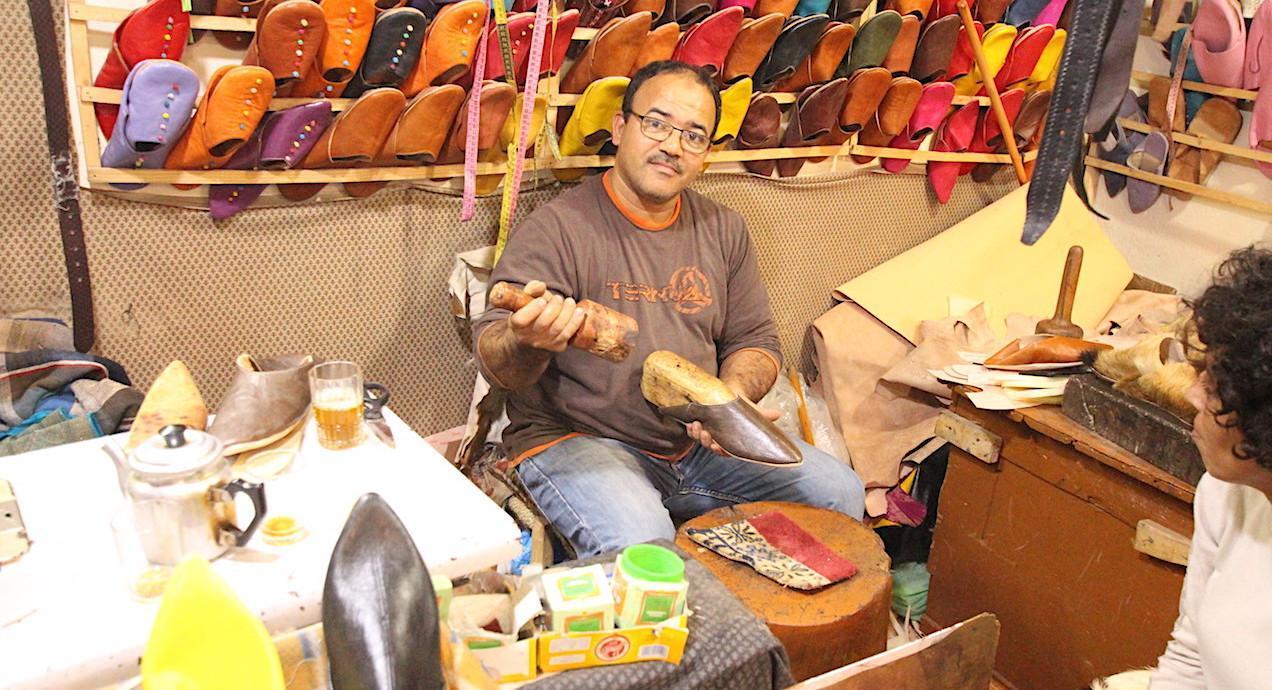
(605, 333)
(1060, 324)
(995, 103)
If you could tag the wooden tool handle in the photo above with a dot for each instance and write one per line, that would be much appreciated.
(995, 103)
(505, 296)
(805, 422)
(1069, 283)
(606, 333)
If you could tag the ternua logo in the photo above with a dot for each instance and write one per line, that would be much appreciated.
(688, 291)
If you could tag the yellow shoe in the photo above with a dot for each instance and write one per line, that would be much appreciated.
(733, 104)
(204, 638)
(1043, 76)
(591, 122)
(996, 44)
(172, 399)
(509, 132)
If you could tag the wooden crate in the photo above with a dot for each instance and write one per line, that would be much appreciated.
(1043, 538)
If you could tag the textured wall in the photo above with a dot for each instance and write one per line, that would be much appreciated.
(366, 279)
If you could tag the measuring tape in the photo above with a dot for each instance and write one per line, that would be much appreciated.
(470, 137)
(473, 123)
(517, 147)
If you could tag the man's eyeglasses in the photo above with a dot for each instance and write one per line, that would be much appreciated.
(690, 140)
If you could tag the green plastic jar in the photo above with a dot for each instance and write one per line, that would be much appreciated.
(649, 585)
(651, 562)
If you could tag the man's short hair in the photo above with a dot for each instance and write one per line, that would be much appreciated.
(699, 74)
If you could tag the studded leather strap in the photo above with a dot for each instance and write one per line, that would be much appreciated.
(65, 186)
(1062, 138)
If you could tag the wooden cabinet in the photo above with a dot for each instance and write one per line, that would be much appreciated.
(1043, 538)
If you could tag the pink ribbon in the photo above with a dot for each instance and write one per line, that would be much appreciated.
(469, 207)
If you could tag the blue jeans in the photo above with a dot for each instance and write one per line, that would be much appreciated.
(603, 495)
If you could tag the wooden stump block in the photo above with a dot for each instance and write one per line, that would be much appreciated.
(823, 629)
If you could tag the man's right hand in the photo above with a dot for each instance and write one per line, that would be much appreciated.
(547, 322)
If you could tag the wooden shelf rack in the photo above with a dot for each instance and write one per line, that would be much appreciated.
(80, 13)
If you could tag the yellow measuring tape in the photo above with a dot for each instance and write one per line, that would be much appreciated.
(512, 175)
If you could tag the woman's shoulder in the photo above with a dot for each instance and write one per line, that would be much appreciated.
(1229, 504)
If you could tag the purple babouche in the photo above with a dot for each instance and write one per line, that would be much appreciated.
(157, 103)
(281, 142)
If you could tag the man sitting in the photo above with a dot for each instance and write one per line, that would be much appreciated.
(598, 459)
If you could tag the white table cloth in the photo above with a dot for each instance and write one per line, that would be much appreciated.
(67, 620)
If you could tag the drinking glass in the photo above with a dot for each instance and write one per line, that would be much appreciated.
(336, 391)
(143, 580)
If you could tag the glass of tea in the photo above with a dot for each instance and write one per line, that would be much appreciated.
(336, 392)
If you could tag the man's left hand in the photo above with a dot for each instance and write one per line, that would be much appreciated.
(699, 434)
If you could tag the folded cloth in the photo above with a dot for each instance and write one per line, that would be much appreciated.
(44, 384)
(905, 509)
(778, 549)
(34, 331)
(52, 430)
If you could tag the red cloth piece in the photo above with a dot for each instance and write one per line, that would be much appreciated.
(792, 540)
(905, 509)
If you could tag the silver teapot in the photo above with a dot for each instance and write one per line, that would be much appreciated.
(182, 495)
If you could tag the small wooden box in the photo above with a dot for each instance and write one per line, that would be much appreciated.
(1140, 427)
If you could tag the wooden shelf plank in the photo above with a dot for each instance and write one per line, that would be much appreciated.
(81, 12)
(95, 94)
(89, 145)
(336, 175)
(1198, 142)
(925, 156)
(567, 99)
(1194, 189)
(1145, 77)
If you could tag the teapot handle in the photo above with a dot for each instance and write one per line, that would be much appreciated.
(256, 492)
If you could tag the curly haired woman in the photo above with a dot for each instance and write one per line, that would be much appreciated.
(1223, 637)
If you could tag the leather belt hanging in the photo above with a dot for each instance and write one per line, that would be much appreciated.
(1095, 52)
(1115, 66)
(65, 186)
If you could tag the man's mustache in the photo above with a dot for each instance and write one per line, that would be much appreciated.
(664, 159)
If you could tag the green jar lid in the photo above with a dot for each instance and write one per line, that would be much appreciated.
(653, 563)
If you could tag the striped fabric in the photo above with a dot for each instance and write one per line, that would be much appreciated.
(778, 549)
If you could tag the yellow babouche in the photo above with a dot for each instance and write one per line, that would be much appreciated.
(204, 638)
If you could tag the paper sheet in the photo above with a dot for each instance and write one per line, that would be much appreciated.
(982, 259)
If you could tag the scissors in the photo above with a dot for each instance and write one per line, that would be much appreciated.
(374, 396)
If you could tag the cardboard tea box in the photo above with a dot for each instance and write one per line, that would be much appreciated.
(580, 599)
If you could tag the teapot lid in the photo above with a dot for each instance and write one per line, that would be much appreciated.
(176, 450)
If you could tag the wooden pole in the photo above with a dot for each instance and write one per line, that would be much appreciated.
(805, 423)
(995, 103)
